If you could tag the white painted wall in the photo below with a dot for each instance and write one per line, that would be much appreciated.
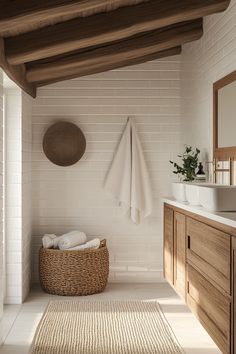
(70, 198)
(204, 62)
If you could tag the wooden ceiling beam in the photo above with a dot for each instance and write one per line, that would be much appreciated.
(16, 73)
(124, 51)
(95, 69)
(103, 28)
(21, 16)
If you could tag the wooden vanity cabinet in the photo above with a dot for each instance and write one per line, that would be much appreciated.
(169, 244)
(200, 263)
(179, 254)
(209, 250)
(210, 306)
(174, 250)
(233, 306)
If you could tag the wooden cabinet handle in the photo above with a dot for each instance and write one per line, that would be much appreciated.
(188, 242)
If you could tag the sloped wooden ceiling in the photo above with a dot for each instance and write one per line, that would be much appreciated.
(42, 42)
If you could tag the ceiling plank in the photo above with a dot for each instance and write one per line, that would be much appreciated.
(107, 27)
(25, 15)
(148, 43)
(95, 69)
(16, 73)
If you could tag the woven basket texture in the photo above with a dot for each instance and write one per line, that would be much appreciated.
(72, 273)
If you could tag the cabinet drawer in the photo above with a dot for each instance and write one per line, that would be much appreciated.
(209, 250)
(211, 307)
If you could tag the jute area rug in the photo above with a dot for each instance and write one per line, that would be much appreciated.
(130, 327)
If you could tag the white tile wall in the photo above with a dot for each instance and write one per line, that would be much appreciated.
(1, 204)
(70, 198)
(26, 192)
(18, 194)
(13, 213)
(204, 62)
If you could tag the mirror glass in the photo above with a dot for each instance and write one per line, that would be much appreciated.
(227, 116)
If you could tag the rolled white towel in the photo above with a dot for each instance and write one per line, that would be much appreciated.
(90, 245)
(72, 239)
(49, 240)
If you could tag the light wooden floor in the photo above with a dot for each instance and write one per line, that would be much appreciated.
(20, 321)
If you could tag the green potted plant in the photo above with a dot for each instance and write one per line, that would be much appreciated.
(190, 163)
(187, 173)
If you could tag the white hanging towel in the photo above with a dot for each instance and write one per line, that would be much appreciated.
(128, 178)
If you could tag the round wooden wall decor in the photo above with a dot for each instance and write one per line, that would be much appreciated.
(64, 143)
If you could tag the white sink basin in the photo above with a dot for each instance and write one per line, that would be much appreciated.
(217, 197)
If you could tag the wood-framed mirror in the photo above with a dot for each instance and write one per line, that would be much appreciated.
(224, 122)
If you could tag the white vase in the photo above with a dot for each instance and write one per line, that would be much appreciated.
(192, 193)
(178, 191)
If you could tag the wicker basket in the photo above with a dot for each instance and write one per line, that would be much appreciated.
(74, 272)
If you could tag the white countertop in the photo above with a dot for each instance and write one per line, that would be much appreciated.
(226, 218)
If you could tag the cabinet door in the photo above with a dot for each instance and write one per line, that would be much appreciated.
(169, 244)
(179, 254)
(211, 307)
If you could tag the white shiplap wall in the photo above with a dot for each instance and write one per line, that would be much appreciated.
(70, 198)
(204, 62)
